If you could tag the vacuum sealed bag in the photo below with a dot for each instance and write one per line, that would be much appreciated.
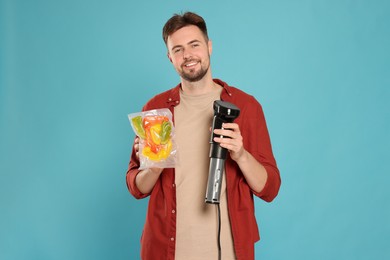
(157, 147)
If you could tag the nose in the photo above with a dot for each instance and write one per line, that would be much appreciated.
(187, 54)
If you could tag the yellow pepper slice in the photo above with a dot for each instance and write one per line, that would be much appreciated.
(155, 131)
(164, 152)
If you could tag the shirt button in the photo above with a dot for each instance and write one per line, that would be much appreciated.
(172, 238)
(169, 99)
(177, 101)
(173, 185)
(173, 211)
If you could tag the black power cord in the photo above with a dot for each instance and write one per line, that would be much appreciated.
(219, 232)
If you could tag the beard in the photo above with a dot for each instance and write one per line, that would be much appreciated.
(194, 76)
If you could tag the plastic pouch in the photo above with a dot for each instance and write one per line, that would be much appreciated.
(157, 147)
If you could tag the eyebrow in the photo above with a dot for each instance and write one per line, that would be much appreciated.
(189, 43)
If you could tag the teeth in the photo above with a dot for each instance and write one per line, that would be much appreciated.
(191, 64)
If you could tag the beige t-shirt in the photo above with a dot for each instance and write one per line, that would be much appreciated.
(196, 223)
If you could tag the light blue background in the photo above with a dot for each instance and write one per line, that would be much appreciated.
(71, 71)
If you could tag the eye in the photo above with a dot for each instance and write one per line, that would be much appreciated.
(176, 50)
(194, 45)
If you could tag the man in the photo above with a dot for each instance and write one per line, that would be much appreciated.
(179, 224)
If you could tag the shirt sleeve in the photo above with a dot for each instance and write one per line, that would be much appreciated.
(259, 145)
(131, 174)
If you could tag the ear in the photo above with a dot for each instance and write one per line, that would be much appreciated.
(169, 57)
(210, 46)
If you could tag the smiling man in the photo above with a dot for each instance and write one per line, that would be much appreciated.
(179, 224)
(189, 51)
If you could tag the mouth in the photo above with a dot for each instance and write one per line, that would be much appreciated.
(190, 64)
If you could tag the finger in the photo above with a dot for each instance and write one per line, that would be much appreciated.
(229, 146)
(136, 147)
(234, 140)
(225, 141)
(231, 126)
(224, 132)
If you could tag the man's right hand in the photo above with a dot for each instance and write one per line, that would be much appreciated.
(146, 179)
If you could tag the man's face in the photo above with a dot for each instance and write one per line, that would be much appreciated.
(189, 53)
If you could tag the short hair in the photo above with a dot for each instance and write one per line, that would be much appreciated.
(178, 21)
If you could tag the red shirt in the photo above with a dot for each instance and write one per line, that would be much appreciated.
(158, 237)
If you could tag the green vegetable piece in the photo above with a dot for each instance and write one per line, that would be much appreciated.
(166, 130)
(139, 130)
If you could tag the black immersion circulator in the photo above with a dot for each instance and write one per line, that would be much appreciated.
(224, 112)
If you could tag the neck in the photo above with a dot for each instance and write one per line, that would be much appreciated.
(203, 86)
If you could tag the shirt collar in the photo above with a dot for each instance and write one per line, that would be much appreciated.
(173, 98)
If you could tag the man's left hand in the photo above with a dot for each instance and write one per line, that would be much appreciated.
(234, 143)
